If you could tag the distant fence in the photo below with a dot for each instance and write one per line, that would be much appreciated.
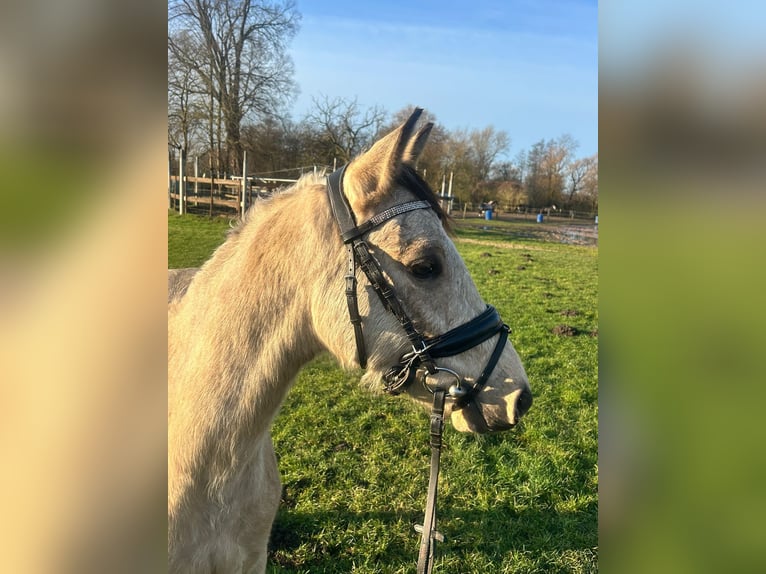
(211, 195)
(231, 196)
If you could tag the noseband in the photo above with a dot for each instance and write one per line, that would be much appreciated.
(424, 349)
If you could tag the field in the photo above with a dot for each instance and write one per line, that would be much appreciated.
(354, 465)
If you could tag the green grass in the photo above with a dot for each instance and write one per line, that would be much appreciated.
(191, 239)
(354, 465)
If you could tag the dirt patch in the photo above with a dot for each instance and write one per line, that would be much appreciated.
(559, 232)
(493, 271)
(570, 312)
(498, 245)
(565, 330)
(521, 267)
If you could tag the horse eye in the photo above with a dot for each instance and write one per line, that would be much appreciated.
(425, 269)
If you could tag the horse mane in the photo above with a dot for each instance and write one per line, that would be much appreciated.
(258, 205)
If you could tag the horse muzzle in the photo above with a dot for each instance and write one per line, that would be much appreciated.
(481, 417)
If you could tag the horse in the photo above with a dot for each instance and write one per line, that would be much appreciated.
(281, 290)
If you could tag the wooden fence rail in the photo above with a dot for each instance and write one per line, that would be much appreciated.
(217, 196)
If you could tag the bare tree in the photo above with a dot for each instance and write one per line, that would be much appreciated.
(457, 159)
(546, 170)
(473, 156)
(347, 129)
(186, 110)
(532, 173)
(588, 192)
(237, 48)
(486, 145)
(579, 174)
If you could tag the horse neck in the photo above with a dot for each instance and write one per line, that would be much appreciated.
(246, 321)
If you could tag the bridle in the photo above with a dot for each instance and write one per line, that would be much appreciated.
(424, 349)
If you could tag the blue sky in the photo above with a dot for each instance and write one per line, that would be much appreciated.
(527, 67)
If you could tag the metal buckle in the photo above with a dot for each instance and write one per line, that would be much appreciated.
(350, 284)
(418, 352)
(457, 386)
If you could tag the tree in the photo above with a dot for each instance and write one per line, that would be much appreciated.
(237, 48)
(580, 173)
(486, 145)
(266, 141)
(511, 194)
(346, 129)
(587, 196)
(457, 159)
(533, 180)
(186, 112)
(546, 170)
(472, 157)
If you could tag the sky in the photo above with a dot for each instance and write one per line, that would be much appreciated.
(529, 68)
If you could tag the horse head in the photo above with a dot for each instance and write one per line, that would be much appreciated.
(422, 324)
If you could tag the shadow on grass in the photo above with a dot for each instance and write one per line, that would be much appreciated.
(339, 541)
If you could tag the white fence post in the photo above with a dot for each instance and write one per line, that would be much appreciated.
(181, 181)
(170, 178)
(244, 182)
(196, 179)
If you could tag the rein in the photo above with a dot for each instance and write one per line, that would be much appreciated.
(424, 349)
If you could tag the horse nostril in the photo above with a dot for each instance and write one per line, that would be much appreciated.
(523, 402)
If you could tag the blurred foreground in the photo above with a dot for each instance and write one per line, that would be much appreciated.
(683, 183)
(82, 287)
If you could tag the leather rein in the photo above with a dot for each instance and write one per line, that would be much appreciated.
(424, 349)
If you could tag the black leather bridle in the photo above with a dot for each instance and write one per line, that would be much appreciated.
(424, 349)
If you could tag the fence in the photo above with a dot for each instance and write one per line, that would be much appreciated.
(210, 195)
(232, 195)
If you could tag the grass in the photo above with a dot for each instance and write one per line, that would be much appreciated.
(192, 239)
(355, 465)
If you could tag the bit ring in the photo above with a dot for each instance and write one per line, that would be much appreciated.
(455, 387)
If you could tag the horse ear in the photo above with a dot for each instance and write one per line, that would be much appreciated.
(416, 145)
(371, 175)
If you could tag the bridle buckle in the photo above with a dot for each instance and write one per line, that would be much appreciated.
(420, 352)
